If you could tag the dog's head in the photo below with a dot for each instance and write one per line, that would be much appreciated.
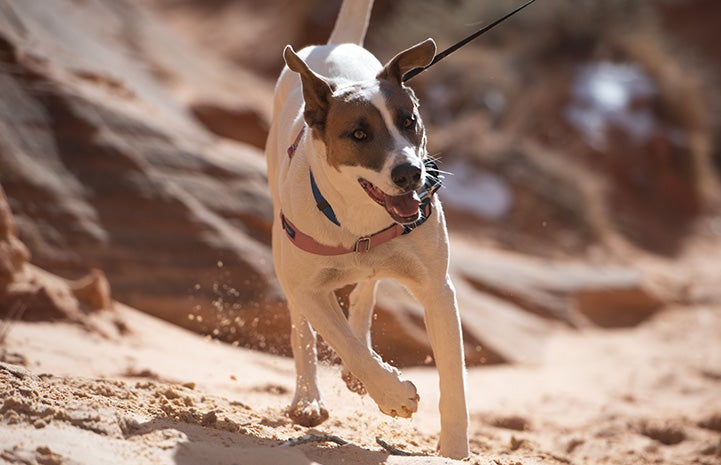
(372, 130)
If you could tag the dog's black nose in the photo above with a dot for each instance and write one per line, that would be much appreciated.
(407, 176)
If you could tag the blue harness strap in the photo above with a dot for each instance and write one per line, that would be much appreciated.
(321, 202)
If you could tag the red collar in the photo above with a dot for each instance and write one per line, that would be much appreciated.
(294, 146)
(364, 244)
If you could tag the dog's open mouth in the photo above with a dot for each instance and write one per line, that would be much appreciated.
(403, 208)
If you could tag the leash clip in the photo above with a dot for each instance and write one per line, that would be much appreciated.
(429, 191)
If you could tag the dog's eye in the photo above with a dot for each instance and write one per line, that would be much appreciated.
(360, 135)
(409, 122)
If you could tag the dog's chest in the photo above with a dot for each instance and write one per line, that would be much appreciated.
(385, 263)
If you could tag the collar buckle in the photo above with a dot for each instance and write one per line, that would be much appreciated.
(362, 245)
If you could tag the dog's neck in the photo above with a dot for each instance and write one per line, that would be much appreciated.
(357, 214)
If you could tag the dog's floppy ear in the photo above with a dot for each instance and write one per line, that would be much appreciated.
(316, 90)
(417, 56)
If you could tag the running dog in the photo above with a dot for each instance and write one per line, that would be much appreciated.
(354, 202)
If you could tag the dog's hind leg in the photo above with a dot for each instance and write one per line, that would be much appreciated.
(307, 408)
(360, 312)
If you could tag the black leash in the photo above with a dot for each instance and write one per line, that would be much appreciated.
(410, 74)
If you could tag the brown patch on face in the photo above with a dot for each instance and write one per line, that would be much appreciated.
(403, 104)
(355, 132)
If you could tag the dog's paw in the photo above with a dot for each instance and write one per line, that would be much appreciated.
(352, 383)
(400, 402)
(308, 413)
(453, 442)
(456, 448)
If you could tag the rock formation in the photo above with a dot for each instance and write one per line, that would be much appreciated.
(127, 147)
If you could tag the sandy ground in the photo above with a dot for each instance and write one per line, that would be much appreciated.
(147, 392)
(125, 388)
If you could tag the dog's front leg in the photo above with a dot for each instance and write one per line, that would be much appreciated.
(394, 396)
(360, 311)
(307, 408)
(444, 331)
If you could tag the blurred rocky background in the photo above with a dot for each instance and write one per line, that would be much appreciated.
(581, 138)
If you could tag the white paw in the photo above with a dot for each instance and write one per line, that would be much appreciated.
(454, 446)
(308, 413)
(400, 400)
(352, 383)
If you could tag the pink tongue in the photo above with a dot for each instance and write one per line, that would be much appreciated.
(403, 205)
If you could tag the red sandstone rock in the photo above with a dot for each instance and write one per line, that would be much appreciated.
(127, 147)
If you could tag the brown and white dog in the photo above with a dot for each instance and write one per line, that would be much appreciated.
(353, 196)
